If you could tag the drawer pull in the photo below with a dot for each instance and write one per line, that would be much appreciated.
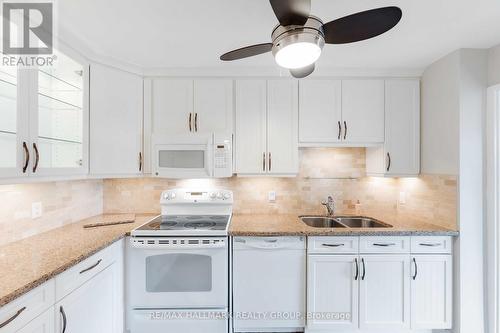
(5, 323)
(429, 244)
(91, 267)
(333, 245)
(384, 244)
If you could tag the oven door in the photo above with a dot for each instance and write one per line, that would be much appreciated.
(183, 160)
(185, 273)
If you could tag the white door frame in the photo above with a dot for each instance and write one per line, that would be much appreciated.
(492, 183)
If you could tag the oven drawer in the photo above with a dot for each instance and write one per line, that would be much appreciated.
(185, 321)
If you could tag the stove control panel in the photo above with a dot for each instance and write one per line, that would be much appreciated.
(195, 196)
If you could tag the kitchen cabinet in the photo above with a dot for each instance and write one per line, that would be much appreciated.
(266, 138)
(115, 122)
(332, 288)
(431, 290)
(320, 111)
(269, 276)
(363, 111)
(42, 324)
(384, 292)
(181, 106)
(400, 153)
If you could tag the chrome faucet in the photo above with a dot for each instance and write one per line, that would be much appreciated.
(330, 205)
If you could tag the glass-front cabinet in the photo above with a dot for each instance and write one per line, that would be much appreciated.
(44, 119)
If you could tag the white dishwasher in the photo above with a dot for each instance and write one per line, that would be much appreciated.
(269, 283)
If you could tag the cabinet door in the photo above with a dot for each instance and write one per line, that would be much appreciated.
(385, 292)
(363, 111)
(59, 117)
(250, 130)
(320, 111)
(282, 127)
(402, 127)
(213, 106)
(431, 288)
(172, 104)
(332, 292)
(13, 122)
(44, 323)
(93, 307)
(115, 122)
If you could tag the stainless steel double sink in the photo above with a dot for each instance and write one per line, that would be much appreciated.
(343, 222)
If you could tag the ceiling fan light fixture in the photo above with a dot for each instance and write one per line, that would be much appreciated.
(298, 55)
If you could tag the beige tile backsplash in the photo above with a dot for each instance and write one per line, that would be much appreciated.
(323, 171)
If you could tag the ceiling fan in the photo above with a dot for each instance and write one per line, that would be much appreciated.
(299, 37)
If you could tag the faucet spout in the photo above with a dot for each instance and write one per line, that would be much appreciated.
(330, 205)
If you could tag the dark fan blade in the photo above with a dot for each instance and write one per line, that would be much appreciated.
(246, 52)
(299, 73)
(361, 26)
(291, 12)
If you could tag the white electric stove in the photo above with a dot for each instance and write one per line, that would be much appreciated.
(177, 272)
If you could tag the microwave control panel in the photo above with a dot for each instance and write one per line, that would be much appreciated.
(223, 157)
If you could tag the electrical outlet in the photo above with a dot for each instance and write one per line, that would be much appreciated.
(402, 198)
(272, 196)
(36, 210)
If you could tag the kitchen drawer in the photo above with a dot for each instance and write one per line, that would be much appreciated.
(333, 244)
(384, 244)
(77, 275)
(22, 310)
(431, 244)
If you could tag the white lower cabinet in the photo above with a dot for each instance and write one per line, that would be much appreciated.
(384, 292)
(42, 324)
(367, 288)
(332, 291)
(431, 290)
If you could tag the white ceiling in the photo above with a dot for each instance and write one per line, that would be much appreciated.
(193, 33)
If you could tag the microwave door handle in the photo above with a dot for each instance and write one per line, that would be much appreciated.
(210, 160)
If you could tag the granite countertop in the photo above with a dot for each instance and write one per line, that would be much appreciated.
(28, 263)
(291, 225)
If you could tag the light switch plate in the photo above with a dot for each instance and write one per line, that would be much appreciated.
(402, 198)
(36, 210)
(272, 196)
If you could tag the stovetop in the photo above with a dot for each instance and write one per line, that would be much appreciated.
(189, 225)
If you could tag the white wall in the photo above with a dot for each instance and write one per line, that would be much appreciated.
(494, 66)
(440, 116)
(453, 108)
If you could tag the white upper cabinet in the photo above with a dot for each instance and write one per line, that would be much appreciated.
(384, 296)
(250, 126)
(363, 111)
(266, 133)
(320, 111)
(181, 106)
(282, 131)
(400, 155)
(115, 122)
(213, 105)
(44, 119)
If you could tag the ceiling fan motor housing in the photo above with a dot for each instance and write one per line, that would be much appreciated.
(310, 32)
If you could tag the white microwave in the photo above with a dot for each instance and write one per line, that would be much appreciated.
(193, 156)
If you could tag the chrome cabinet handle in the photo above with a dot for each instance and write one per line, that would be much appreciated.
(384, 244)
(14, 316)
(269, 161)
(26, 157)
(189, 122)
(196, 122)
(345, 129)
(91, 267)
(63, 315)
(364, 269)
(357, 269)
(416, 269)
(333, 245)
(140, 161)
(388, 162)
(37, 157)
(263, 161)
(340, 130)
(429, 244)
